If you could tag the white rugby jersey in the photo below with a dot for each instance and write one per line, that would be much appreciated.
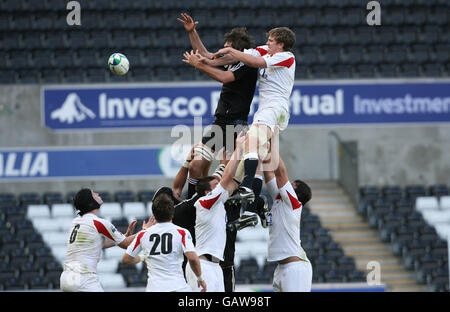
(277, 79)
(284, 223)
(210, 223)
(163, 245)
(85, 242)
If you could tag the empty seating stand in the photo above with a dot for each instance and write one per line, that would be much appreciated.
(415, 220)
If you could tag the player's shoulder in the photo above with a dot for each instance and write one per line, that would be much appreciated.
(212, 198)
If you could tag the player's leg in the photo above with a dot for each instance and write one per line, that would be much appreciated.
(257, 138)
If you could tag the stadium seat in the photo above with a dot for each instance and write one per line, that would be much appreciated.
(254, 233)
(134, 210)
(59, 252)
(111, 210)
(426, 202)
(434, 217)
(38, 211)
(55, 239)
(44, 225)
(114, 253)
(443, 231)
(63, 210)
(444, 203)
(107, 266)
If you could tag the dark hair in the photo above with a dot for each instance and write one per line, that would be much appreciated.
(203, 185)
(239, 39)
(283, 35)
(84, 202)
(163, 208)
(303, 191)
(165, 190)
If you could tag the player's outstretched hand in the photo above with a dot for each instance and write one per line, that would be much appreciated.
(188, 22)
(149, 223)
(202, 284)
(130, 228)
(192, 58)
(221, 52)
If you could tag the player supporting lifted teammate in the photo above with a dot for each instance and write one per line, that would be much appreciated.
(89, 234)
(294, 271)
(164, 244)
(239, 82)
(276, 80)
(210, 224)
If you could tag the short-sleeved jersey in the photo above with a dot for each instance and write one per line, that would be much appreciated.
(85, 241)
(210, 223)
(163, 245)
(284, 223)
(277, 79)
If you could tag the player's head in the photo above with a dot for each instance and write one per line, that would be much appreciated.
(280, 39)
(302, 190)
(206, 185)
(165, 190)
(87, 200)
(162, 208)
(238, 39)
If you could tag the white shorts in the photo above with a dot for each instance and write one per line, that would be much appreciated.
(185, 288)
(272, 117)
(212, 274)
(76, 282)
(293, 277)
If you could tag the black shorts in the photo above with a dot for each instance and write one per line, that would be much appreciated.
(223, 134)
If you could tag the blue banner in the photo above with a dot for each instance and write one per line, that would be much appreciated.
(76, 163)
(125, 106)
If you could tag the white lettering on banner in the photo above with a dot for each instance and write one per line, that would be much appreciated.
(408, 104)
(164, 107)
(325, 104)
(11, 167)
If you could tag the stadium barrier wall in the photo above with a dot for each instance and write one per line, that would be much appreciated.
(401, 127)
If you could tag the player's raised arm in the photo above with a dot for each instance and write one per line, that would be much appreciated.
(195, 60)
(227, 181)
(247, 59)
(194, 37)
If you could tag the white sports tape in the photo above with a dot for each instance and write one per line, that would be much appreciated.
(219, 171)
(204, 151)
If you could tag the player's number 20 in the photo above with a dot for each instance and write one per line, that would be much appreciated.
(166, 243)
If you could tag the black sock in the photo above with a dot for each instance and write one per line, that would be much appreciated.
(257, 186)
(191, 187)
(250, 166)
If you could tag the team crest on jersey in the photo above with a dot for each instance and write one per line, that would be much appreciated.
(113, 229)
(269, 218)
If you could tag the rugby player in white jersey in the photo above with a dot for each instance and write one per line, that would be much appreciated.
(164, 244)
(210, 222)
(294, 271)
(276, 65)
(89, 234)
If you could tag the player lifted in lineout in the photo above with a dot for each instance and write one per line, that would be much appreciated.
(231, 115)
(276, 65)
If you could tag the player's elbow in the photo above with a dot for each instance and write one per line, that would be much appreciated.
(227, 77)
(127, 259)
